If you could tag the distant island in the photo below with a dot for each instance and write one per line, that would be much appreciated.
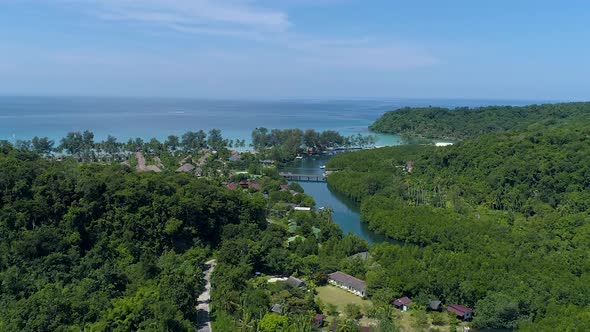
(463, 122)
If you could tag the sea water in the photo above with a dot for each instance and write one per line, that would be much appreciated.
(124, 118)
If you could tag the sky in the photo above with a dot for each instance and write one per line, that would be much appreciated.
(517, 49)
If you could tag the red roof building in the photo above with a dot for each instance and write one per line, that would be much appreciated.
(232, 186)
(462, 312)
(254, 185)
(402, 303)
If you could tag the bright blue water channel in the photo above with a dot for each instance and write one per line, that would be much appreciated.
(346, 212)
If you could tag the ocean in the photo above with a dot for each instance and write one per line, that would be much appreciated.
(26, 117)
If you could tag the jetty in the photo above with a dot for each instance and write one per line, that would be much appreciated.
(303, 177)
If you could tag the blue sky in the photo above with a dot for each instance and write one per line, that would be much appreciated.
(296, 48)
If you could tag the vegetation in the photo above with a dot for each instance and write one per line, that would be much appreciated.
(86, 246)
(341, 298)
(499, 222)
(308, 245)
(283, 145)
(462, 123)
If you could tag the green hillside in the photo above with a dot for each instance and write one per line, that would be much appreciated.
(462, 123)
(499, 222)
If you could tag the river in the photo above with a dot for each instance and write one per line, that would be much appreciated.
(346, 212)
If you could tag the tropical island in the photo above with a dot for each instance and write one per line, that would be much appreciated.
(491, 232)
(463, 122)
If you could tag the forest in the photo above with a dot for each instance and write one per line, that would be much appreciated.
(103, 248)
(94, 246)
(286, 144)
(463, 122)
(498, 222)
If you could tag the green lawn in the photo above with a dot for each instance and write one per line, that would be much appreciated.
(339, 297)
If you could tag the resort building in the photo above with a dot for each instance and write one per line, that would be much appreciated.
(403, 303)
(435, 306)
(277, 309)
(362, 255)
(294, 282)
(348, 282)
(462, 312)
(185, 168)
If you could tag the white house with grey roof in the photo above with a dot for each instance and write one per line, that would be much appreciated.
(348, 282)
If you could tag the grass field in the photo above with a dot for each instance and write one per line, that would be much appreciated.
(339, 297)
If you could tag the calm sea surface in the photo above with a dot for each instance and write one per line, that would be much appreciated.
(54, 117)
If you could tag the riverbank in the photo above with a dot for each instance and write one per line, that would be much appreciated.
(345, 212)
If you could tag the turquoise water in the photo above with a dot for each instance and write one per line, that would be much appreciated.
(54, 117)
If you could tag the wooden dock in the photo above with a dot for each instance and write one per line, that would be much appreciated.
(304, 177)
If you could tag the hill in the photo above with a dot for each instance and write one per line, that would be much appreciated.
(499, 222)
(463, 122)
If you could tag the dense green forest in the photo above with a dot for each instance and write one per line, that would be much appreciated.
(499, 222)
(286, 144)
(463, 122)
(102, 248)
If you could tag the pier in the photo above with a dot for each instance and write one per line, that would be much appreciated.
(304, 177)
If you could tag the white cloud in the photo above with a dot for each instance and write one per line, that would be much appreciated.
(202, 15)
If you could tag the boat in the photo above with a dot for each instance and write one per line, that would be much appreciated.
(299, 157)
(323, 167)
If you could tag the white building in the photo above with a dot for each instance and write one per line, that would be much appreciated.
(348, 282)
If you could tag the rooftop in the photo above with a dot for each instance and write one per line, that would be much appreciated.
(402, 301)
(294, 282)
(348, 280)
(459, 309)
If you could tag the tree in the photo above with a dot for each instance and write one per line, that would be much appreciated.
(498, 311)
(332, 309)
(23, 145)
(352, 311)
(42, 145)
(111, 146)
(172, 143)
(311, 138)
(272, 322)
(73, 143)
(260, 138)
(215, 139)
(192, 141)
(87, 143)
(155, 146)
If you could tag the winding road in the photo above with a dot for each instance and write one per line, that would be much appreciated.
(203, 321)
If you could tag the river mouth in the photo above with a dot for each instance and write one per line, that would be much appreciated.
(346, 212)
